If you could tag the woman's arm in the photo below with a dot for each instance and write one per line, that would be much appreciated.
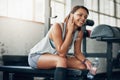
(61, 45)
(77, 47)
(78, 53)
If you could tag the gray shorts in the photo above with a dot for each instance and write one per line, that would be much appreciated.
(33, 59)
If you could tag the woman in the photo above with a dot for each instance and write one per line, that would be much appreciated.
(51, 51)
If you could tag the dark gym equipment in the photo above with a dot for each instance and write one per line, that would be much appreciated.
(109, 35)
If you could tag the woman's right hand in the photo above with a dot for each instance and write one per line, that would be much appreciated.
(71, 25)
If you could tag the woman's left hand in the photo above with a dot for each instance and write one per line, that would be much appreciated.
(88, 64)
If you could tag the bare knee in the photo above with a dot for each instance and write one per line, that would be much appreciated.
(74, 63)
(81, 65)
(61, 62)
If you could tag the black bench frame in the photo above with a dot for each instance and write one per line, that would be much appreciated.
(73, 74)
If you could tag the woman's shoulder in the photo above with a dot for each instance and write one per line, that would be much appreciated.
(57, 25)
(55, 29)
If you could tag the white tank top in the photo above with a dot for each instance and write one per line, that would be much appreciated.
(47, 46)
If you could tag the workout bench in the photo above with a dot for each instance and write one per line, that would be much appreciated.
(10, 69)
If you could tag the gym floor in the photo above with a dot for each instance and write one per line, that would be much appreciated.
(115, 76)
(102, 76)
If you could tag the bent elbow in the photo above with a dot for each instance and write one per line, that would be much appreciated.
(61, 52)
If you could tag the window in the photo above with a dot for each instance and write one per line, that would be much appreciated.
(31, 9)
(107, 20)
(104, 11)
(118, 22)
(58, 9)
(95, 18)
(39, 10)
(3, 7)
(20, 9)
(92, 4)
(107, 7)
(118, 9)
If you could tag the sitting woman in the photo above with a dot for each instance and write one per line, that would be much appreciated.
(52, 50)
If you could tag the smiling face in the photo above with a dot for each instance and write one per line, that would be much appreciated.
(80, 17)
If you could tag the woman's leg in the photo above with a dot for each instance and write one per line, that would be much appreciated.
(74, 63)
(47, 61)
